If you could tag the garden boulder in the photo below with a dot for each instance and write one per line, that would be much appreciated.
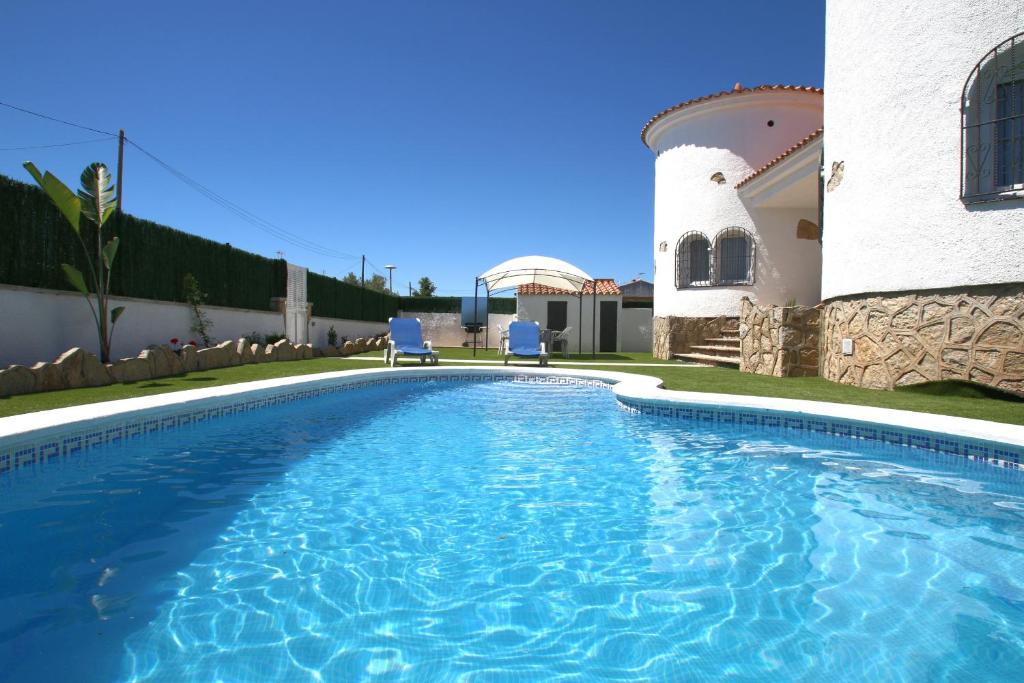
(131, 369)
(48, 377)
(348, 349)
(284, 350)
(229, 353)
(188, 358)
(162, 361)
(244, 350)
(82, 369)
(211, 358)
(17, 379)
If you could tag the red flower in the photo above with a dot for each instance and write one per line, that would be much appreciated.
(193, 343)
(174, 341)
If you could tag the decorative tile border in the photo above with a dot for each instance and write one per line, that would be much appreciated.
(990, 452)
(60, 443)
(67, 432)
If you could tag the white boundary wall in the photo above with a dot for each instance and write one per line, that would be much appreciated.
(445, 329)
(894, 73)
(41, 324)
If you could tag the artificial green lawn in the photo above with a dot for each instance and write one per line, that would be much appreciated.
(944, 398)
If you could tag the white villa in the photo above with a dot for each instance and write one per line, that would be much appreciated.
(895, 204)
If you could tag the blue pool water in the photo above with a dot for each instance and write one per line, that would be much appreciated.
(497, 531)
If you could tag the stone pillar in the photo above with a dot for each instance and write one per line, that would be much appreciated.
(781, 341)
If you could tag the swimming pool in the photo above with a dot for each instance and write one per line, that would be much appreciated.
(507, 531)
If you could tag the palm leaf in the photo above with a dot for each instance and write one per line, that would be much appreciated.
(109, 251)
(59, 194)
(97, 193)
(115, 314)
(74, 276)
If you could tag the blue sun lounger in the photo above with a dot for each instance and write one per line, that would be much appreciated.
(407, 340)
(524, 342)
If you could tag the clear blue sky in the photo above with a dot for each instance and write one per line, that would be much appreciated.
(442, 137)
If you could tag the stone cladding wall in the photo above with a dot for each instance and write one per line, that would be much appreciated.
(780, 341)
(967, 333)
(677, 335)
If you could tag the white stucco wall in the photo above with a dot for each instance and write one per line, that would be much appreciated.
(349, 329)
(731, 135)
(445, 329)
(894, 77)
(635, 329)
(42, 323)
(535, 307)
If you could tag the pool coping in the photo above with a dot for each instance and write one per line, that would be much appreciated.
(638, 393)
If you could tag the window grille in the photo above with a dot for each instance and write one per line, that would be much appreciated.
(693, 261)
(992, 126)
(734, 257)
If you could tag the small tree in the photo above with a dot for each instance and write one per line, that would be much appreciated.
(96, 201)
(196, 297)
(427, 288)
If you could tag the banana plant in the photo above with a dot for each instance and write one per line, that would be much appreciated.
(95, 202)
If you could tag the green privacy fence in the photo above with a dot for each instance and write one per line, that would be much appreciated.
(452, 304)
(152, 259)
(333, 298)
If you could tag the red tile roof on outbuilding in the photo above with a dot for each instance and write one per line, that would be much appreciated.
(605, 287)
(803, 143)
(738, 90)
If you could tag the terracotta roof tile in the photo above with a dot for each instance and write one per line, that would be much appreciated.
(803, 143)
(605, 286)
(725, 93)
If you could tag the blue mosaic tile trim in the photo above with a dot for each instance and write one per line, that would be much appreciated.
(61, 443)
(994, 453)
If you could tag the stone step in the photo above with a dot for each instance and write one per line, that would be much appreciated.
(704, 359)
(716, 350)
(733, 342)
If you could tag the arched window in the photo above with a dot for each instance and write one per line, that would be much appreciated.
(992, 126)
(693, 261)
(734, 257)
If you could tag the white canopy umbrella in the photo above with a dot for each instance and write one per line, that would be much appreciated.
(536, 270)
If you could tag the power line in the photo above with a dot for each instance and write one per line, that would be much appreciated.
(243, 213)
(59, 144)
(53, 118)
(240, 211)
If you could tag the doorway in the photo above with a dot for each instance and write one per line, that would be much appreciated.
(609, 326)
(558, 315)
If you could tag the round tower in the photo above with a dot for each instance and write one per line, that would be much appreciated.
(735, 175)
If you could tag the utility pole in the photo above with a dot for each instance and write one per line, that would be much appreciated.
(410, 289)
(120, 167)
(362, 286)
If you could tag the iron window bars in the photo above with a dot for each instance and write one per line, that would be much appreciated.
(992, 126)
(730, 261)
(693, 261)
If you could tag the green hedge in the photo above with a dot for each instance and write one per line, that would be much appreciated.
(152, 259)
(333, 298)
(451, 304)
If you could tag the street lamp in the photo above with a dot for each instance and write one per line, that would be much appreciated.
(390, 269)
